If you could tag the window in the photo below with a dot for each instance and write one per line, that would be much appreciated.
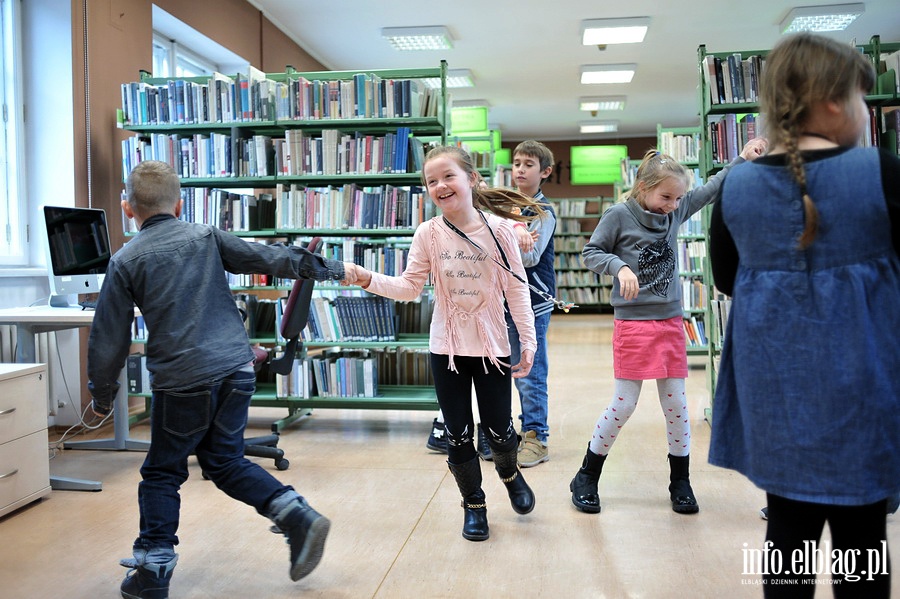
(13, 211)
(167, 53)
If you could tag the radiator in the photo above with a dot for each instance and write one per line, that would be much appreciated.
(45, 351)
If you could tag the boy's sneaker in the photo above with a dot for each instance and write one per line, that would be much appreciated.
(149, 581)
(531, 451)
(483, 447)
(764, 513)
(306, 531)
(437, 440)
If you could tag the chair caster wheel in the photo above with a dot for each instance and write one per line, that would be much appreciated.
(282, 464)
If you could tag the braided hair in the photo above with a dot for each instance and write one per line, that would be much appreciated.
(803, 70)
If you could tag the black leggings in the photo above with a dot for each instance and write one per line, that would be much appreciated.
(857, 533)
(493, 392)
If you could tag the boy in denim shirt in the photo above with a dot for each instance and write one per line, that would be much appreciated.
(201, 366)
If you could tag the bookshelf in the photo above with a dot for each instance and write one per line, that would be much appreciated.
(728, 120)
(576, 221)
(284, 157)
(683, 144)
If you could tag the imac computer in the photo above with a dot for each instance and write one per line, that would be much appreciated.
(78, 251)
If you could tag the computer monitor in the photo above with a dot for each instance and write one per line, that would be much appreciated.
(78, 251)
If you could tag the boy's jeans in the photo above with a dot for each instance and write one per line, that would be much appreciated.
(532, 388)
(209, 421)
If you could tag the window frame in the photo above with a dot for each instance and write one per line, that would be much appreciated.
(14, 250)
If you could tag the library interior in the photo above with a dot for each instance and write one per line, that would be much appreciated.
(293, 123)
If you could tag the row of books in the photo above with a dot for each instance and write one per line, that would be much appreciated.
(695, 331)
(734, 79)
(570, 244)
(334, 373)
(259, 314)
(217, 155)
(693, 225)
(562, 261)
(581, 278)
(351, 206)
(227, 210)
(681, 147)
(728, 133)
(694, 295)
(347, 318)
(582, 296)
(721, 308)
(573, 207)
(691, 256)
(253, 96)
(375, 255)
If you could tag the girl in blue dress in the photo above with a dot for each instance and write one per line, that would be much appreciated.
(805, 240)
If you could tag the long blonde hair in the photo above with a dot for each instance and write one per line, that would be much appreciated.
(506, 203)
(803, 70)
(655, 168)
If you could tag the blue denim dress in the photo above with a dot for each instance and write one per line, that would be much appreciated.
(808, 398)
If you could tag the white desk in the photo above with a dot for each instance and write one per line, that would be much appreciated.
(43, 319)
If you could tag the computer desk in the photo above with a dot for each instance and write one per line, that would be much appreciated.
(43, 319)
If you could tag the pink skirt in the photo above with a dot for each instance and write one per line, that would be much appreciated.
(649, 349)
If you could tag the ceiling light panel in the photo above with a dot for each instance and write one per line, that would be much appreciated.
(598, 126)
(607, 73)
(601, 32)
(835, 17)
(418, 38)
(601, 103)
(455, 78)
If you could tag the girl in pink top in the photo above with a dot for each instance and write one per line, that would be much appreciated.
(466, 251)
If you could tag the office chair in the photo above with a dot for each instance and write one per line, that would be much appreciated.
(293, 321)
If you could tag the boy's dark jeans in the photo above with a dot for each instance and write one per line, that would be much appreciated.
(209, 421)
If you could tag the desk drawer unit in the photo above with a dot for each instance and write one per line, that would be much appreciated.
(24, 465)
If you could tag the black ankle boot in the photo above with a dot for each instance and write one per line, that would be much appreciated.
(306, 531)
(584, 486)
(468, 479)
(147, 581)
(680, 491)
(505, 462)
(483, 447)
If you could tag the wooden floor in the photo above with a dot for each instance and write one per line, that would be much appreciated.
(396, 517)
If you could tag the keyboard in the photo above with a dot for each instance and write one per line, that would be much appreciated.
(88, 304)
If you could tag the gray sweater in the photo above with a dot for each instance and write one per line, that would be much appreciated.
(628, 235)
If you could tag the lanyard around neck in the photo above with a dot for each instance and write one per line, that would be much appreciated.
(564, 306)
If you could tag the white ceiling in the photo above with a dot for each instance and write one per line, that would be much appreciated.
(526, 54)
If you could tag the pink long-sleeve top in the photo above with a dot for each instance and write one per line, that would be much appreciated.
(469, 288)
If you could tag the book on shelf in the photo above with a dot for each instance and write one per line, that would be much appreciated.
(734, 79)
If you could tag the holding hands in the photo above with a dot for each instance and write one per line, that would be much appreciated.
(755, 148)
(356, 275)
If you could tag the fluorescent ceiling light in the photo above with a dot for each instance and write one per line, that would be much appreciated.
(598, 103)
(418, 38)
(455, 78)
(598, 126)
(471, 104)
(835, 17)
(607, 73)
(600, 32)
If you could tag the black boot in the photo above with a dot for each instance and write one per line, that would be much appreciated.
(468, 479)
(680, 492)
(584, 486)
(306, 531)
(505, 462)
(483, 447)
(147, 581)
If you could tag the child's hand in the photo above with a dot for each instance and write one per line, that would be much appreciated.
(525, 239)
(755, 148)
(628, 283)
(355, 274)
(524, 366)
